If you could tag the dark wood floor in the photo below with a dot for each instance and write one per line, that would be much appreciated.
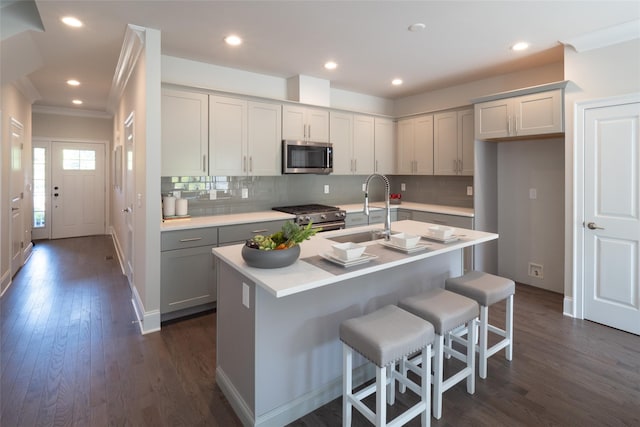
(71, 354)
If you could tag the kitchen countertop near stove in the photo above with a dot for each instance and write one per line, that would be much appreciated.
(270, 215)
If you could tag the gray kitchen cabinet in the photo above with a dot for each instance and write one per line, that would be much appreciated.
(403, 214)
(376, 216)
(185, 133)
(238, 233)
(450, 221)
(526, 115)
(187, 271)
(355, 219)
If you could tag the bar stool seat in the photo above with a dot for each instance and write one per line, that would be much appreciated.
(384, 337)
(486, 289)
(446, 310)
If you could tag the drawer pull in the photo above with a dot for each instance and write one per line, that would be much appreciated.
(191, 239)
(264, 230)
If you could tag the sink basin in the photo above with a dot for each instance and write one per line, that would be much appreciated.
(360, 237)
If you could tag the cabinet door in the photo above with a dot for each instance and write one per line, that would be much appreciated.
(188, 278)
(233, 234)
(445, 143)
(341, 136)
(355, 219)
(539, 113)
(423, 145)
(185, 133)
(227, 136)
(363, 145)
(293, 123)
(264, 138)
(406, 136)
(384, 146)
(317, 125)
(466, 142)
(492, 119)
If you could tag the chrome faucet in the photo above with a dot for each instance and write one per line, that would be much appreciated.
(387, 189)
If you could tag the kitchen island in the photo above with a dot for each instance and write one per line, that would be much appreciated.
(278, 351)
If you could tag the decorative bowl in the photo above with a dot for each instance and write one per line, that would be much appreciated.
(405, 240)
(441, 232)
(348, 251)
(276, 258)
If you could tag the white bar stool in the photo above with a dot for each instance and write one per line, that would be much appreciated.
(486, 289)
(446, 311)
(384, 337)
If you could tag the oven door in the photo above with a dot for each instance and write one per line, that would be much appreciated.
(307, 157)
(328, 226)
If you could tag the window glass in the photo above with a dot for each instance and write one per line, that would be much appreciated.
(39, 187)
(78, 159)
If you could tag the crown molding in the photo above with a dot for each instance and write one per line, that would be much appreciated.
(605, 37)
(63, 111)
(24, 85)
(131, 48)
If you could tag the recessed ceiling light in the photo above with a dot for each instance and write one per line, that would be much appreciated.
(419, 26)
(73, 82)
(77, 102)
(72, 22)
(233, 40)
(520, 46)
(330, 65)
(396, 82)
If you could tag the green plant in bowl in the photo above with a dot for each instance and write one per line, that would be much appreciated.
(278, 249)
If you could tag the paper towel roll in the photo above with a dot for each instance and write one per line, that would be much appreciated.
(181, 207)
(169, 206)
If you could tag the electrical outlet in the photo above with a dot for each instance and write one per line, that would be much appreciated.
(533, 193)
(536, 270)
(245, 295)
(469, 190)
(403, 187)
(364, 186)
(245, 193)
(326, 189)
(213, 194)
(177, 194)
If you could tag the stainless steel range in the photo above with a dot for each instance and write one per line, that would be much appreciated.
(322, 216)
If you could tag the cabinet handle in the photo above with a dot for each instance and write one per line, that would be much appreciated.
(244, 163)
(355, 165)
(460, 166)
(191, 239)
(250, 163)
(516, 124)
(204, 163)
(309, 132)
(455, 165)
(509, 125)
(264, 230)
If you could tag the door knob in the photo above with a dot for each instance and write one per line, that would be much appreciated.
(55, 194)
(126, 210)
(593, 226)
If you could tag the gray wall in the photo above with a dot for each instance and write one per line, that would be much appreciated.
(267, 192)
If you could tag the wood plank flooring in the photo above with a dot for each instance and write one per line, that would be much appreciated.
(71, 355)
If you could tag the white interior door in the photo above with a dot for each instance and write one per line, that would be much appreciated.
(611, 216)
(129, 189)
(17, 198)
(78, 189)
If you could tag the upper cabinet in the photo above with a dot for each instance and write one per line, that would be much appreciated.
(352, 137)
(305, 124)
(384, 146)
(537, 113)
(453, 136)
(244, 137)
(185, 133)
(415, 146)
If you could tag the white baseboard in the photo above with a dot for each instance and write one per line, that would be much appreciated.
(567, 307)
(116, 244)
(293, 410)
(5, 282)
(148, 321)
(26, 253)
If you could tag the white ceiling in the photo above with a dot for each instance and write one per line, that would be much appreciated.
(463, 40)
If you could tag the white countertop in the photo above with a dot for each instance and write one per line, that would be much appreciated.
(244, 218)
(302, 276)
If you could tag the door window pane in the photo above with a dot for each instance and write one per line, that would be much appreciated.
(78, 159)
(39, 187)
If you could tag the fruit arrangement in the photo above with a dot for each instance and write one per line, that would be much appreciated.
(290, 235)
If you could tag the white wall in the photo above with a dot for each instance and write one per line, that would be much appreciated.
(594, 74)
(531, 230)
(64, 126)
(14, 104)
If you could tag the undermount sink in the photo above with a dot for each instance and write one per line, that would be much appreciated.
(360, 237)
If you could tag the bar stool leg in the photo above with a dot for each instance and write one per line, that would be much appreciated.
(381, 399)
(483, 341)
(347, 362)
(437, 376)
(471, 357)
(425, 387)
(508, 352)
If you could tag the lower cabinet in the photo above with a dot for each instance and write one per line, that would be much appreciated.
(234, 234)
(377, 216)
(187, 272)
(450, 221)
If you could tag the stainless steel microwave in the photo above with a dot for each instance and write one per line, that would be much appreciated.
(307, 157)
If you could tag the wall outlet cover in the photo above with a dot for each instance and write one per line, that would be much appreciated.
(403, 187)
(326, 189)
(469, 190)
(536, 270)
(245, 193)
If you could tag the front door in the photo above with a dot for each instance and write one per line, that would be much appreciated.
(611, 216)
(78, 189)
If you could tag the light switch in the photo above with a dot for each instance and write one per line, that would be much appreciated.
(245, 295)
(533, 193)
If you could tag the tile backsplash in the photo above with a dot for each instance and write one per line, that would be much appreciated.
(215, 195)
